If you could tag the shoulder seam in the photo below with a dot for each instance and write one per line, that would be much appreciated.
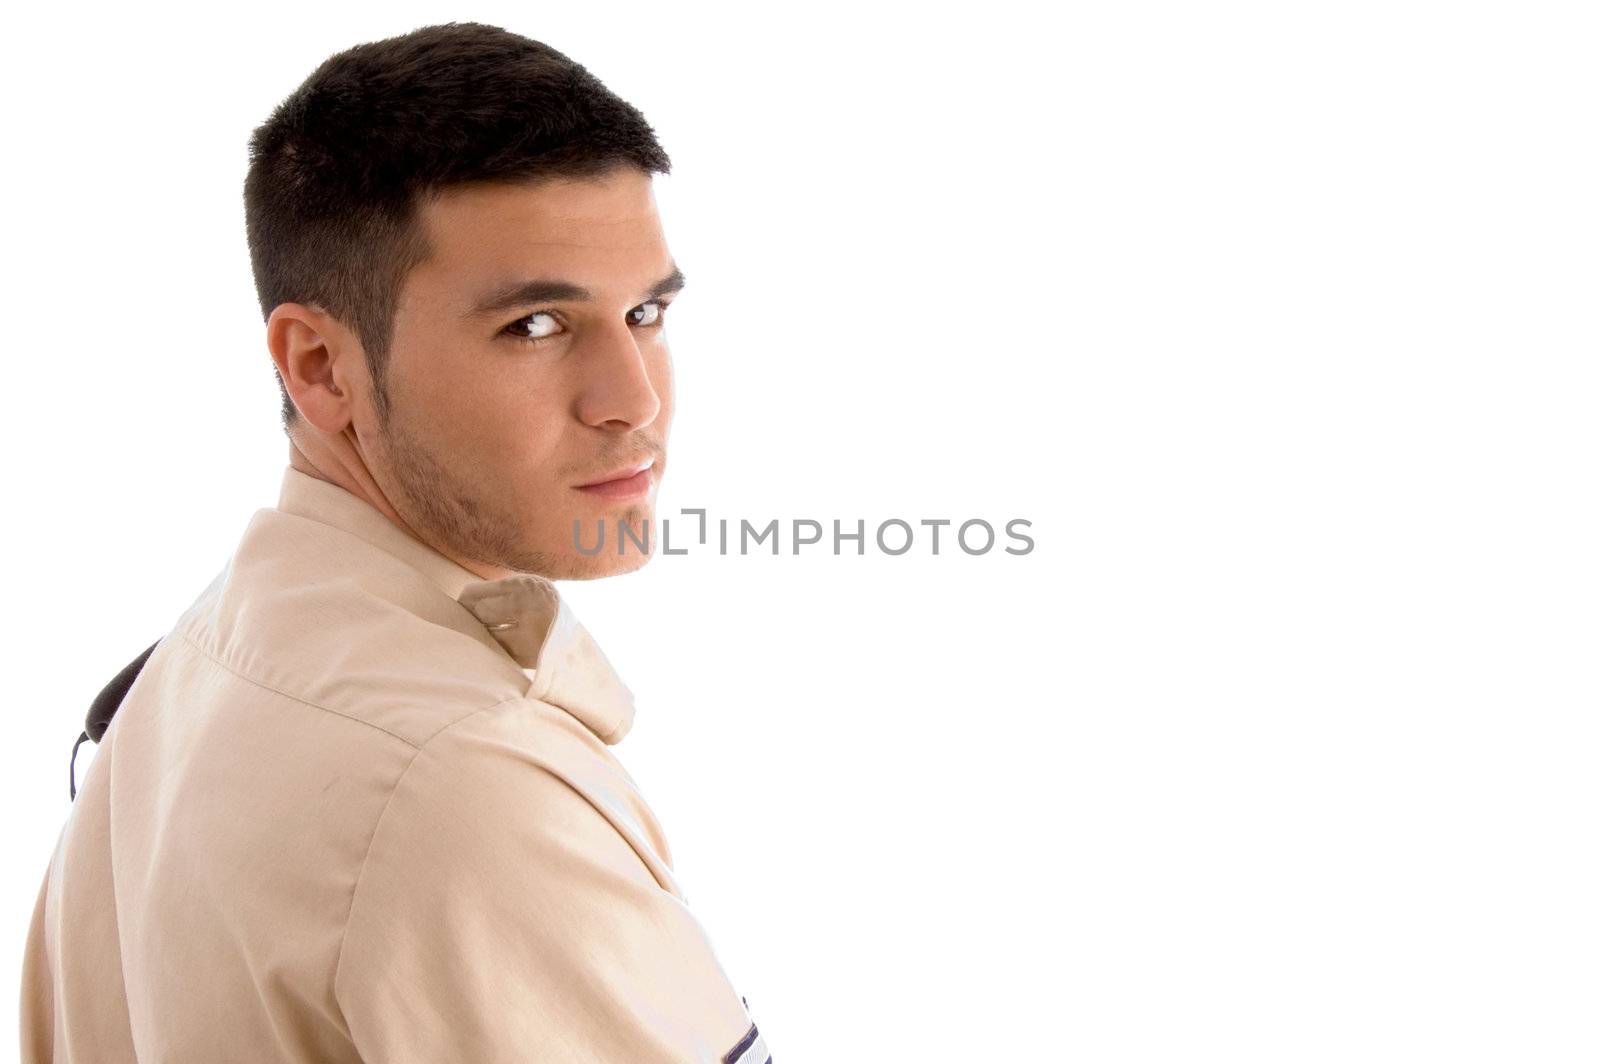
(328, 709)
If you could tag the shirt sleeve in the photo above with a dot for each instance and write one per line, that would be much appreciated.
(501, 915)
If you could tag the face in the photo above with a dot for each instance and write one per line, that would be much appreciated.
(530, 360)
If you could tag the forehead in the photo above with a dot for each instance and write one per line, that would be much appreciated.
(485, 230)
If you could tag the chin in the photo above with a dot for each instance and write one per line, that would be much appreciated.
(625, 565)
(599, 533)
(602, 565)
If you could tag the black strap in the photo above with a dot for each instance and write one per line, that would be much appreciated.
(72, 772)
(104, 708)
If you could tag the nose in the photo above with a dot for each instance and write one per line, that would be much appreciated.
(618, 390)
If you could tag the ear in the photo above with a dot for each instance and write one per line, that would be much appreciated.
(316, 356)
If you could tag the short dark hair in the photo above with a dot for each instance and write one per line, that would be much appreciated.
(337, 171)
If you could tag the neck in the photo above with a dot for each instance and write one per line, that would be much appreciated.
(338, 460)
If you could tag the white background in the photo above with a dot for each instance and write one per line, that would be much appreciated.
(1277, 321)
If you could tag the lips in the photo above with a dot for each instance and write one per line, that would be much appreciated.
(626, 472)
(628, 486)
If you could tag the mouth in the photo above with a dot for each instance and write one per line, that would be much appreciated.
(633, 479)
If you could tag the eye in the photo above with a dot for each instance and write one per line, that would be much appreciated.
(654, 319)
(516, 327)
(529, 329)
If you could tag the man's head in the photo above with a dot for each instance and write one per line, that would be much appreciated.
(457, 251)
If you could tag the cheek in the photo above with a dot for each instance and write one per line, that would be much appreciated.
(519, 439)
(490, 433)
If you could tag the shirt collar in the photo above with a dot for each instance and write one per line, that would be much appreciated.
(524, 612)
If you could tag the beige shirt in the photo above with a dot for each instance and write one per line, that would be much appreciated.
(360, 805)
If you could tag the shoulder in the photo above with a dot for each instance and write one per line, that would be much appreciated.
(514, 809)
(519, 776)
(513, 887)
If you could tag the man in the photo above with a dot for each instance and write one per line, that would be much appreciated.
(359, 803)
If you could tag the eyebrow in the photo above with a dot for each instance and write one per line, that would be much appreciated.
(543, 290)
